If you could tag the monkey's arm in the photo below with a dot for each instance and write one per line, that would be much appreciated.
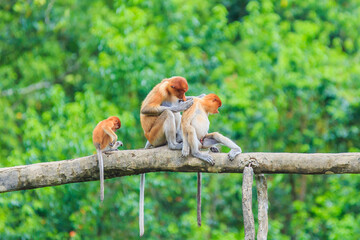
(157, 110)
(200, 96)
(108, 131)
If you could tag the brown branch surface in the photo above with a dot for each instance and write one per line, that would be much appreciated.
(130, 162)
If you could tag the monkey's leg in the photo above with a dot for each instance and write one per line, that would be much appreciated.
(210, 143)
(164, 130)
(186, 148)
(195, 144)
(219, 138)
(179, 135)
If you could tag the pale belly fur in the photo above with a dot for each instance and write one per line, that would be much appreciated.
(201, 124)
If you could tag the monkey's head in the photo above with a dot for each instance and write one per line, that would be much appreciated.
(177, 87)
(116, 122)
(212, 103)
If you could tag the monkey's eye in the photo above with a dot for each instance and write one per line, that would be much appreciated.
(173, 86)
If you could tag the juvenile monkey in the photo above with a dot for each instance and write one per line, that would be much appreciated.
(160, 119)
(104, 140)
(195, 126)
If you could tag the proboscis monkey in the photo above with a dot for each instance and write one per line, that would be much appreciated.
(160, 119)
(195, 126)
(104, 139)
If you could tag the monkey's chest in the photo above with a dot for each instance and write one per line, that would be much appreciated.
(201, 124)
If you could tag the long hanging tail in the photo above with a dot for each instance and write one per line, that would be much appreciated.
(198, 198)
(101, 169)
(141, 204)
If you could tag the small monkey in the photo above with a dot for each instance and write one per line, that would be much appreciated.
(104, 139)
(195, 126)
(160, 119)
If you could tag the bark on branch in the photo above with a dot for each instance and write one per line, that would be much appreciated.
(130, 162)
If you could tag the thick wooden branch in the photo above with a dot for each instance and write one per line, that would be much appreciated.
(130, 162)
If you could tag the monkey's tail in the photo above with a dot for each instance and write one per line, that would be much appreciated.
(198, 198)
(101, 169)
(141, 204)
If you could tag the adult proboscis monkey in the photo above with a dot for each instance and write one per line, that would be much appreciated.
(160, 119)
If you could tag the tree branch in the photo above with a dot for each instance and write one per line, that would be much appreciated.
(130, 162)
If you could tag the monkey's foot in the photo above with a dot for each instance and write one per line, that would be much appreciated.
(110, 151)
(205, 157)
(118, 144)
(185, 152)
(214, 149)
(233, 153)
(179, 138)
(177, 146)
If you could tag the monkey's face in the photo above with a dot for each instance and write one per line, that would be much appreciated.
(213, 103)
(116, 122)
(177, 87)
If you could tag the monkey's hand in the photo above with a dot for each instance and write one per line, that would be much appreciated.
(182, 106)
(214, 149)
(233, 153)
(204, 157)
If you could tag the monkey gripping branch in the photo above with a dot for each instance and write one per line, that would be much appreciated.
(130, 162)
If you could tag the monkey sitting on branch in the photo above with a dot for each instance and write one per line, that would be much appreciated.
(104, 139)
(160, 119)
(195, 126)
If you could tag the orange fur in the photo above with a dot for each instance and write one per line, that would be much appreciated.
(168, 90)
(211, 103)
(104, 132)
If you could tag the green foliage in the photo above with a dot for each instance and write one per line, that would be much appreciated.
(287, 72)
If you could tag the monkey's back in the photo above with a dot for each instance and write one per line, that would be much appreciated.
(100, 138)
(153, 99)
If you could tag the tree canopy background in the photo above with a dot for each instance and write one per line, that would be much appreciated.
(288, 74)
